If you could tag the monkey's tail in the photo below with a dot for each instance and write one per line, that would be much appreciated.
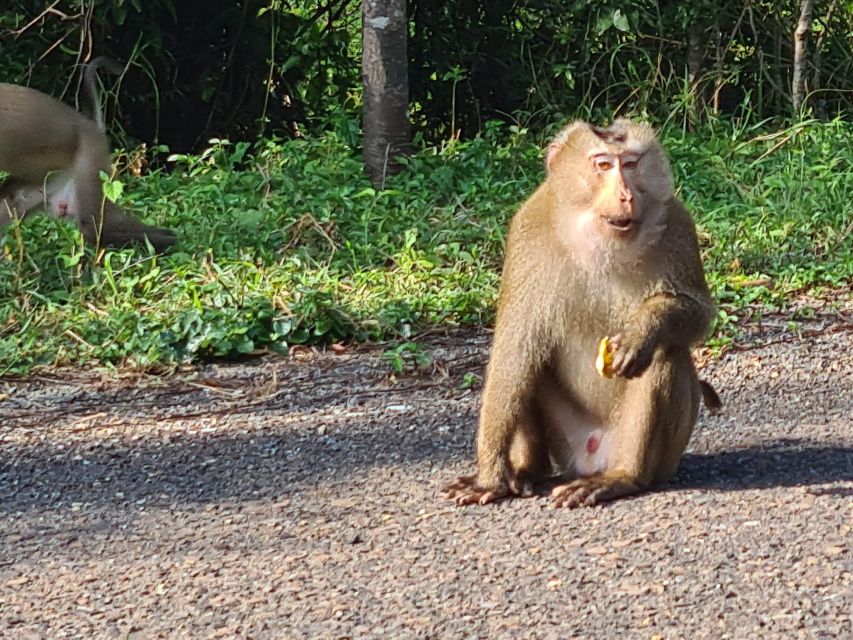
(90, 85)
(710, 397)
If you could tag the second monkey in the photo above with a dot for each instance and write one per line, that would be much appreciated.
(54, 156)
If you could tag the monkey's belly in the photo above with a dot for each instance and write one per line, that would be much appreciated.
(574, 371)
(579, 444)
(588, 450)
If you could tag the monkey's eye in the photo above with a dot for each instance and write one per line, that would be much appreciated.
(629, 164)
(603, 164)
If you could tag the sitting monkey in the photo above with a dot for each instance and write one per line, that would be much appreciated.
(603, 248)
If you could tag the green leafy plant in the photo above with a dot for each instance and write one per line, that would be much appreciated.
(407, 356)
(285, 242)
(471, 380)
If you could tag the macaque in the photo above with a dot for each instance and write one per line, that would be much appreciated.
(53, 156)
(603, 248)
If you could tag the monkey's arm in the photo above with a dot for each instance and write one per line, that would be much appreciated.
(678, 310)
(674, 316)
(663, 320)
(520, 345)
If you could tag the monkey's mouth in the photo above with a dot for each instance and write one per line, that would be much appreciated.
(620, 226)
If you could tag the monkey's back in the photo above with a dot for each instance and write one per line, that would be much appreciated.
(34, 125)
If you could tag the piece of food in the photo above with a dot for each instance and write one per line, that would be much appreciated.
(604, 359)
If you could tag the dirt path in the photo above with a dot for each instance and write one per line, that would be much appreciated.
(299, 500)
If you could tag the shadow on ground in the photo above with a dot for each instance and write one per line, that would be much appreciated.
(335, 423)
(779, 463)
(278, 462)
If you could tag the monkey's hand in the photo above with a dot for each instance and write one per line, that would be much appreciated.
(632, 354)
(466, 490)
(588, 492)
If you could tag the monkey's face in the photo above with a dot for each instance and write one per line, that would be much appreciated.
(631, 185)
(611, 193)
(617, 201)
(610, 186)
(630, 179)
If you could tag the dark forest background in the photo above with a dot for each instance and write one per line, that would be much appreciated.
(199, 69)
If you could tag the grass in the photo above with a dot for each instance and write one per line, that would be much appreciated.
(286, 243)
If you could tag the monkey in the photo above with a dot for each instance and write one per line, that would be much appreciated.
(602, 248)
(58, 186)
(53, 157)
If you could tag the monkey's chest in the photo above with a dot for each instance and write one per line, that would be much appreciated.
(574, 366)
(573, 361)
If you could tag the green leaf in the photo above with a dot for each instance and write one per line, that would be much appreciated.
(112, 189)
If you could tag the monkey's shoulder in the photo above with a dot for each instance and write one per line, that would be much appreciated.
(533, 216)
(679, 220)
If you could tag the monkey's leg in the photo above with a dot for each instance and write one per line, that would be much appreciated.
(528, 462)
(17, 199)
(111, 227)
(650, 428)
(90, 158)
(101, 221)
(508, 431)
(120, 229)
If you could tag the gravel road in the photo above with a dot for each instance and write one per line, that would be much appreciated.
(291, 499)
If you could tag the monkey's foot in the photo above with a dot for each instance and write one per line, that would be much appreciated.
(588, 492)
(465, 490)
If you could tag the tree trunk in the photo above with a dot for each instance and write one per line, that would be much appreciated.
(801, 35)
(719, 78)
(781, 103)
(385, 78)
(697, 36)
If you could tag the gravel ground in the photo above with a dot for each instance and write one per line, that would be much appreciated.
(300, 499)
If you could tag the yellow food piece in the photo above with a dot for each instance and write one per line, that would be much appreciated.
(604, 359)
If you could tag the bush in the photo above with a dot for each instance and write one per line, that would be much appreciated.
(286, 243)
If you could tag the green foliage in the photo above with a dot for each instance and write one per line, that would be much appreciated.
(407, 356)
(198, 69)
(195, 68)
(539, 61)
(286, 243)
(471, 380)
(774, 205)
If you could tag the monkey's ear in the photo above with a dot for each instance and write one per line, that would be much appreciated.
(562, 140)
(551, 154)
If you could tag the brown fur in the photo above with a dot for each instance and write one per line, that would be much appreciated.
(54, 156)
(570, 278)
